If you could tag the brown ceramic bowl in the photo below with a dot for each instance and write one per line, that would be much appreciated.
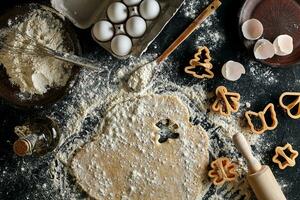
(12, 93)
(278, 17)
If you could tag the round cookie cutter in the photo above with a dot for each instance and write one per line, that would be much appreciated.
(278, 17)
(11, 93)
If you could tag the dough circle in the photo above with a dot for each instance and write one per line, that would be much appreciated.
(126, 161)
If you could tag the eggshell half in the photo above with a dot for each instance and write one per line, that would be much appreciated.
(263, 49)
(283, 45)
(252, 29)
(232, 70)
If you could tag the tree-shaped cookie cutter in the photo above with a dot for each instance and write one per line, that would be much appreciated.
(290, 160)
(201, 59)
(226, 102)
(262, 117)
(294, 104)
(222, 170)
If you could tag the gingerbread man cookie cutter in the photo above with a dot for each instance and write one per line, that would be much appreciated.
(290, 160)
(294, 105)
(201, 60)
(222, 170)
(226, 102)
(262, 117)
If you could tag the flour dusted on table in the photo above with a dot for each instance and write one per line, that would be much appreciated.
(35, 74)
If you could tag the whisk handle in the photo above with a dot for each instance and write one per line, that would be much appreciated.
(77, 60)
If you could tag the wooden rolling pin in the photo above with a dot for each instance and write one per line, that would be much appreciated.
(260, 177)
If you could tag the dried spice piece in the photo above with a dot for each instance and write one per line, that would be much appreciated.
(222, 170)
(294, 105)
(290, 159)
(262, 117)
(200, 62)
(226, 102)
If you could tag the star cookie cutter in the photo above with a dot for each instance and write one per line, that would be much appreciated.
(222, 170)
(201, 60)
(292, 106)
(262, 117)
(226, 102)
(290, 160)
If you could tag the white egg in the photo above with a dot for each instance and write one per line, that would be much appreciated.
(149, 9)
(252, 29)
(121, 45)
(103, 30)
(283, 45)
(263, 49)
(136, 26)
(131, 2)
(117, 12)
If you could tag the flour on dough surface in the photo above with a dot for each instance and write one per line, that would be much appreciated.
(126, 161)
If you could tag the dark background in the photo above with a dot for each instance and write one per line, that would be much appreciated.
(27, 178)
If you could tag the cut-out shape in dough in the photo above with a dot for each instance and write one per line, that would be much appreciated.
(167, 130)
(222, 170)
(200, 66)
(265, 126)
(292, 108)
(288, 154)
(125, 160)
(226, 102)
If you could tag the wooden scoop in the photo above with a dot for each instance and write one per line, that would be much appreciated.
(260, 177)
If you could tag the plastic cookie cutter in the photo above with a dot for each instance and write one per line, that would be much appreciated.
(292, 108)
(290, 158)
(222, 170)
(200, 66)
(262, 117)
(226, 102)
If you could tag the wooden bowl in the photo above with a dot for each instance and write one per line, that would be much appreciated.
(278, 17)
(11, 93)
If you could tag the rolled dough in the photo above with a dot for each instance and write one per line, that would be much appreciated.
(126, 161)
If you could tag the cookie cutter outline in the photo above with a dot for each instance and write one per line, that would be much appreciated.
(222, 172)
(222, 94)
(290, 161)
(206, 64)
(261, 115)
(291, 105)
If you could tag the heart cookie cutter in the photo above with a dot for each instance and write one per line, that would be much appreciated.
(201, 59)
(226, 102)
(291, 105)
(270, 107)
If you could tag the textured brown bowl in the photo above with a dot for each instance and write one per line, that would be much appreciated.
(12, 93)
(278, 17)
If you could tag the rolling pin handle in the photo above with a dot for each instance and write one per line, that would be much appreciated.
(243, 146)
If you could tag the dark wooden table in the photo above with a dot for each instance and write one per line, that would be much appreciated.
(27, 178)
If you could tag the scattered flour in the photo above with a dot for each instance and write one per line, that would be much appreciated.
(35, 74)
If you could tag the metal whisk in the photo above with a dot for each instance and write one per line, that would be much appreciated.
(33, 47)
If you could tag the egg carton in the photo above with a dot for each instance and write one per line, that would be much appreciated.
(112, 28)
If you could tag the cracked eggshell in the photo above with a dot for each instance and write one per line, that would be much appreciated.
(252, 29)
(121, 45)
(283, 45)
(136, 26)
(117, 12)
(103, 31)
(232, 70)
(131, 2)
(149, 9)
(263, 49)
